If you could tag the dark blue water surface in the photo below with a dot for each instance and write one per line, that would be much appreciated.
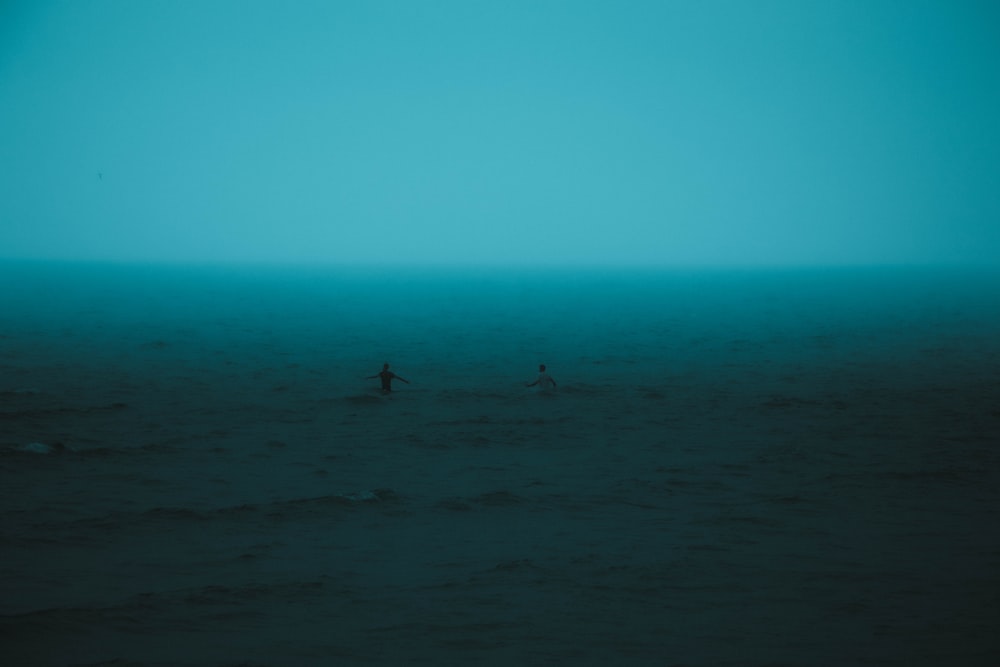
(794, 467)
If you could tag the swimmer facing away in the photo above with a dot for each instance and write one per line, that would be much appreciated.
(387, 377)
(544, 380)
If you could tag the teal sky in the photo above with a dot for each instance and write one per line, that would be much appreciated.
(530, 133)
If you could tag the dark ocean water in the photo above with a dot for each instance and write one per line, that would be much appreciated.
(794, 467)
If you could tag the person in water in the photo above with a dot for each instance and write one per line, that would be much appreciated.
(544, 380)
(387, 377)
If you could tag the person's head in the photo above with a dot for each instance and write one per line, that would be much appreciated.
(385, 366)
(541, 368)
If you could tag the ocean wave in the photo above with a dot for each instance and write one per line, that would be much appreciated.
(36, 449)
(93, 529)
(364, 399)
(60, 410)
(18, 393)
(176, 609)
(489, 499)
(32, 450)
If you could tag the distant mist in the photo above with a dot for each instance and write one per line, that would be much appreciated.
(519, 134)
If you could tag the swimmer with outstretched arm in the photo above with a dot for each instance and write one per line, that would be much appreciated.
(387, 377)
(544, 380)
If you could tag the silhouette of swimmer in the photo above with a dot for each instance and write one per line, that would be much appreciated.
(544, 380)
(387, 377)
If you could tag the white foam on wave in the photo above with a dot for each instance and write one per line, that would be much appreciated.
(41, 448)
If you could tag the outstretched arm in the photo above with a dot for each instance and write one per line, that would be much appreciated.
(402, 380)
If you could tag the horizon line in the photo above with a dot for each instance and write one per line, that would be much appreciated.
(315, 264)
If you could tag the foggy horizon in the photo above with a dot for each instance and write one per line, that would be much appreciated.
(649, 135)
(500, 332)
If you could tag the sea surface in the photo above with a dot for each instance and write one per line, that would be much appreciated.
(760, 467)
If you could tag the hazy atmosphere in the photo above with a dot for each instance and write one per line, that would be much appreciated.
(647, 133)
(499, 333)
